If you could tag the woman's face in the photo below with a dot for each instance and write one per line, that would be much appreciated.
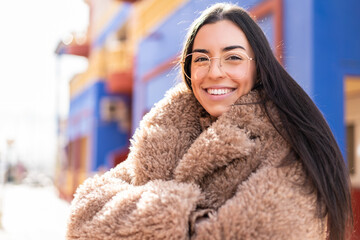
(228, 73)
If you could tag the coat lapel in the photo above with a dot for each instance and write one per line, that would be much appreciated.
(226, 140)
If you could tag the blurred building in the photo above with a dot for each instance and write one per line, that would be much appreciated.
(133, 47)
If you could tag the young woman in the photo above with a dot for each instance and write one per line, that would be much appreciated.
(240, 152)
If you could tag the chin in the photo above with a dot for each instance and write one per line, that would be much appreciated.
(217, 112)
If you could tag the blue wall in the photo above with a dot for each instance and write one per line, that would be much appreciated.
(108, 137)
(336, 53)
(298, 41)
(85, 121)
(81, 114)
(321, 47)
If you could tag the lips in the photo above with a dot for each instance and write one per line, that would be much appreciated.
(219, 91)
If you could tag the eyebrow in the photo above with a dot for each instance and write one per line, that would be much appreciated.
(225, 49)
(200, 50)
(229, 48)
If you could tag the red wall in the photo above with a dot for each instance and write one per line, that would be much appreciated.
(356, 211)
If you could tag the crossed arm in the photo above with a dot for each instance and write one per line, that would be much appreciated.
(110, 207)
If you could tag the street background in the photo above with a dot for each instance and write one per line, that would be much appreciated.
(33, 95)
(32, 213)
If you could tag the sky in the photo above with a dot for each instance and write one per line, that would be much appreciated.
(33, 80)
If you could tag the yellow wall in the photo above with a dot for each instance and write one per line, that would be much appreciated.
(96, 70)
(148, 14)
(352, 116)
(102, 12)
(84, 159)
(117, 56)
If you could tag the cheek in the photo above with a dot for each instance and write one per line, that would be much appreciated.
(252, 75)
(246, 81)
(194, 88)
(195, 81)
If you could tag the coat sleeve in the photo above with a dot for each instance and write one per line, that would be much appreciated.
(267, 206)
(109, 207)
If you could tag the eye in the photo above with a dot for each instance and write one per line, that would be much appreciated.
(234, 57)
(200, 59)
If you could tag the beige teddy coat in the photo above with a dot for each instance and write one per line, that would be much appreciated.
(188, 177)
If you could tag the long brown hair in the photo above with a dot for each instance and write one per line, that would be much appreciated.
(305, 128)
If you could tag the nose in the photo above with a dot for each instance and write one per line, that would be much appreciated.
(215, 70)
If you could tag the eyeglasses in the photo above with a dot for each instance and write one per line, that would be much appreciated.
(235, 64)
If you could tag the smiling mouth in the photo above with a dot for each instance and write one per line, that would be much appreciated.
(219, 91)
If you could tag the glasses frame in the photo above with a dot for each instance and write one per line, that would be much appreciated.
(210, 58)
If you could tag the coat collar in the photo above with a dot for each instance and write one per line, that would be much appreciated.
(177, 140)
(234, 136)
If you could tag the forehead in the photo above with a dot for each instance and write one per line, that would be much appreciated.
(221, 34)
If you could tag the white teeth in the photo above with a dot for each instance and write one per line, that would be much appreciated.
(218, 91)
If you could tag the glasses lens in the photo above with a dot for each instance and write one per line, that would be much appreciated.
(234, 64)
(198, 65)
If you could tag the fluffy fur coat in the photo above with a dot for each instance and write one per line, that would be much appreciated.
(188, 177)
